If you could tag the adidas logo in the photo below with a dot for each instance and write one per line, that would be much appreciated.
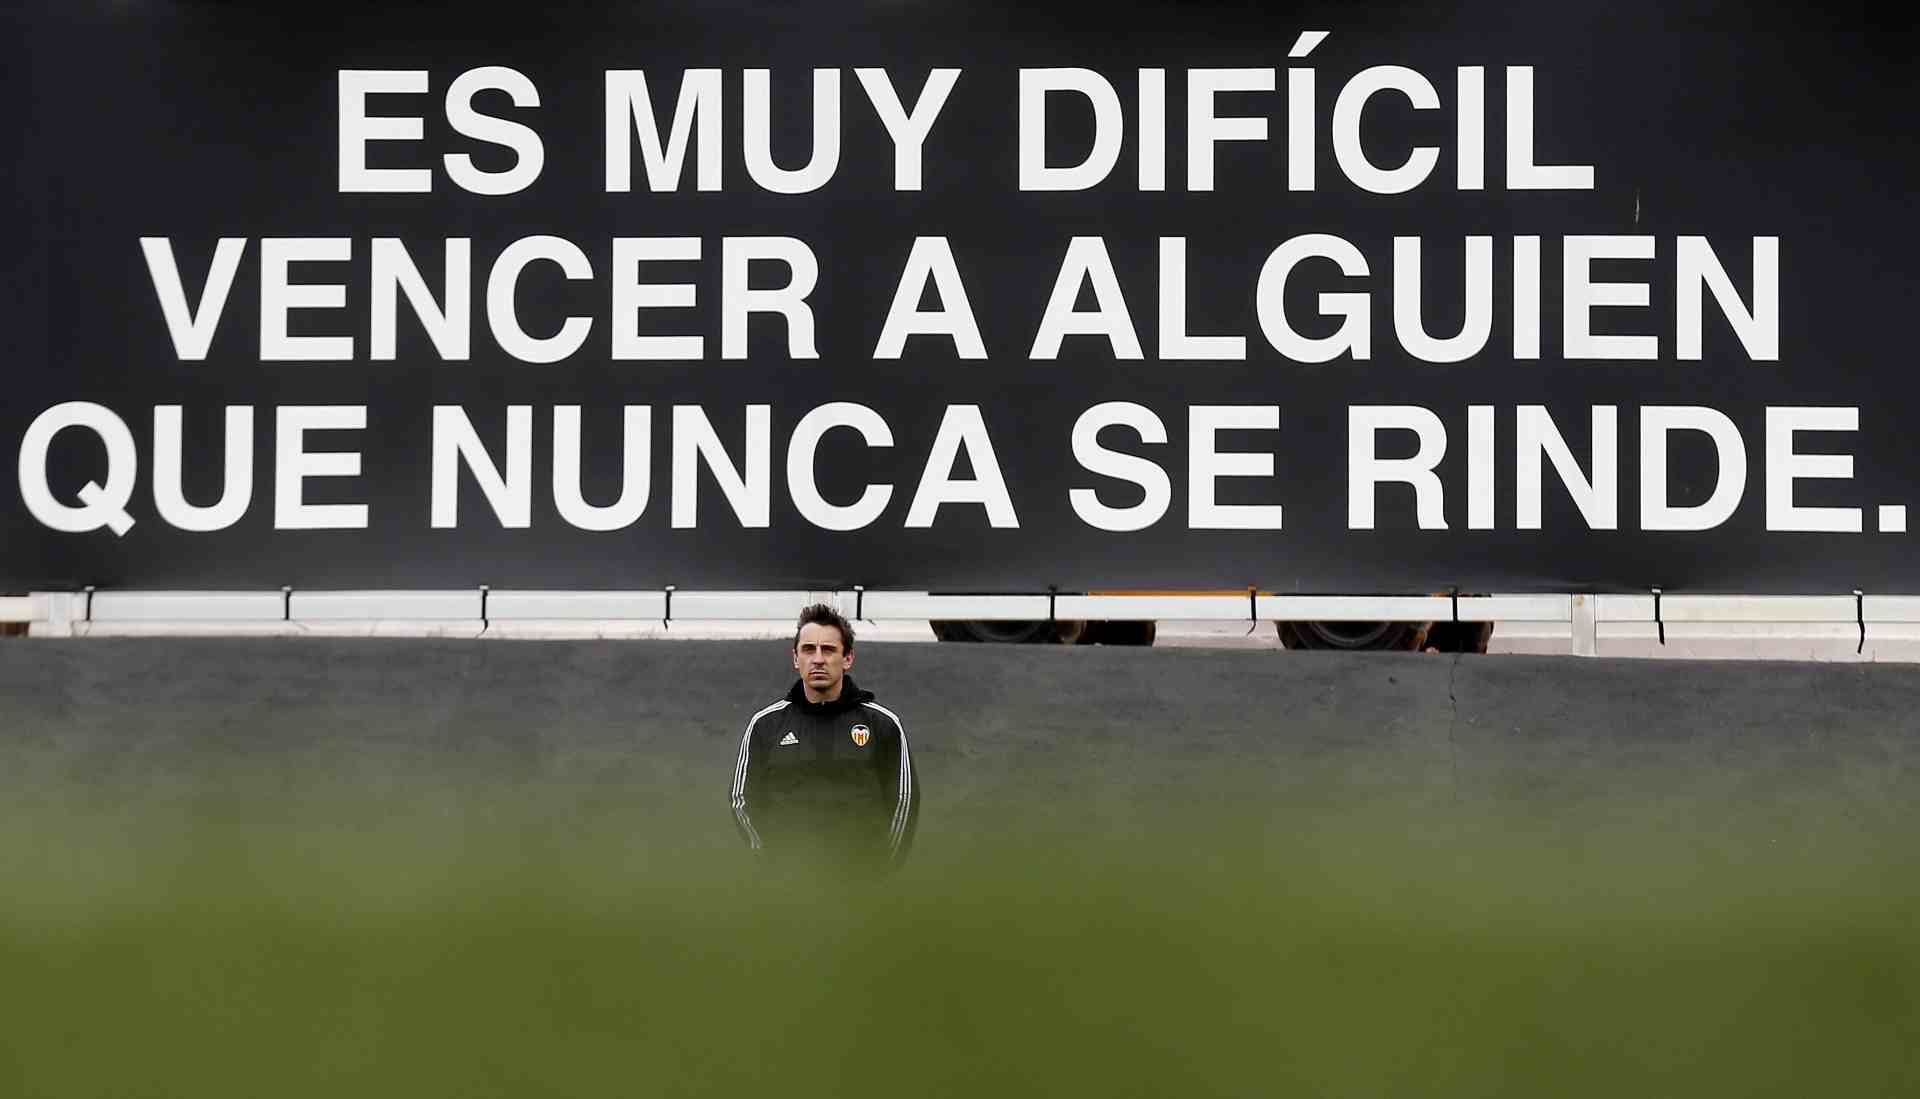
(789, 739)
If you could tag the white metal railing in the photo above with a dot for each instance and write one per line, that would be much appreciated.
(1578, 623)
(513, 604)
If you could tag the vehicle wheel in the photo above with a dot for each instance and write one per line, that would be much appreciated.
(1120, 633)
(995, 632)
(1353, 636)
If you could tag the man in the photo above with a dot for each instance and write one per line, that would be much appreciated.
(826, 772)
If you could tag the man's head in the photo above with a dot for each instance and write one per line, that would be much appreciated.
(822, 652)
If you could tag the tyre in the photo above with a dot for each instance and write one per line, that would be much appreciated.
(1353, 636)
(1011, 632)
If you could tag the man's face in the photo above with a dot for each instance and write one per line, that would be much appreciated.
(821, 659)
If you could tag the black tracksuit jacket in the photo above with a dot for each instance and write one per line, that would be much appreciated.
(833, 780)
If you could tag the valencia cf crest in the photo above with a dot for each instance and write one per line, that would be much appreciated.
(861, 735)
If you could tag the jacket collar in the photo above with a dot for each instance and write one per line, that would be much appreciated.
(850, 696)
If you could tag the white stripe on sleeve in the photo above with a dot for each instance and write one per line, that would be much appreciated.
(903, 809)
(740, 776)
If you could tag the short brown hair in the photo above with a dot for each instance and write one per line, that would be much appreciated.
(821, 614)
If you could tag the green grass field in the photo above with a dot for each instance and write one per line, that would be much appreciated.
(504, 940)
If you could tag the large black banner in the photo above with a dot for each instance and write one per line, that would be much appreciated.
(928, 296)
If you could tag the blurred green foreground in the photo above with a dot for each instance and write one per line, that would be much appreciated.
(500, 941)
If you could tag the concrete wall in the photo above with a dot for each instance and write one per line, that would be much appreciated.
(1078, 735)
